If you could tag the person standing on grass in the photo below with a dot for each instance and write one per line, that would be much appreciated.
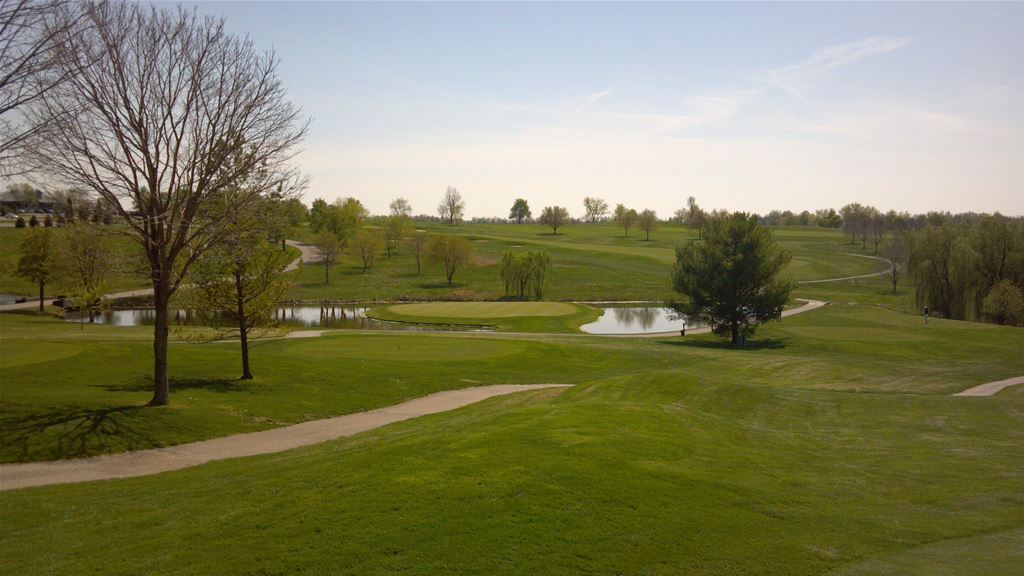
(925, 314)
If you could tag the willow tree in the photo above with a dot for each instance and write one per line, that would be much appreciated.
(525, 273)
(162, 113)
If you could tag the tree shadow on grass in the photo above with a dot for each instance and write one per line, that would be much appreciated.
(441, 284)
(767, 344)
(72, 432)
(145, 384)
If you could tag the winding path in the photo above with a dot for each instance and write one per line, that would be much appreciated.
(145, 462)
(990, 388)
(873, 274)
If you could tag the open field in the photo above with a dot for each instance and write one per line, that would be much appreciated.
(830, 445)
(590, 262)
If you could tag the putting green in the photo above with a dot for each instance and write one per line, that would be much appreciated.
(483, 309)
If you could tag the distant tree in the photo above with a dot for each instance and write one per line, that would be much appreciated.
(452, 206)
(595, 209)
(295, 212)
(396, 227)
(555, 217)
(48, 221)
(318, 215)
(828, 218)
(731, 280)
(525, 273)
(877, 226)
(451, 252)
(1004, 303)
(368, 243)
(397, 224)
(33, 221)
(937, 262)
(330, 251)
(647, 221)
(83, 257)
(625, 217)
(855, 221)
(19, 222)
(401, 207)
(417, 246)
(695, 217)
(520, 211)
(36, 262)
(343, 217)
(24, 194)
(236, 287)
(896, 254)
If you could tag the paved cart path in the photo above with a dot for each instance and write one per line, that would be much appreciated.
(145, 462)
(990, 388)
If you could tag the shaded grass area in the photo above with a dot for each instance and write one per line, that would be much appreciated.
(543, 317)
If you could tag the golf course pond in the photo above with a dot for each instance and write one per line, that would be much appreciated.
(350, 316)
(650, 319)
(613, 320)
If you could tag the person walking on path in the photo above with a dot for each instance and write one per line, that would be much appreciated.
(925, 314)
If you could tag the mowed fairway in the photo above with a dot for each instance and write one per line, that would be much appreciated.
(590, 262)
(832, 445)
(483, 309)
(505, 316)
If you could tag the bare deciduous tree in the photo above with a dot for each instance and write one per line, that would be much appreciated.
(418, 245)
(648, 220)
(451, 252)
(27, 71)
(164, 111)
(555, 217)
(452, 206)
(595, 209)
(896, 254)
(330, 248)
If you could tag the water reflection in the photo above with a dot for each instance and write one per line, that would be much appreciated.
(636, 320)
(351, 317)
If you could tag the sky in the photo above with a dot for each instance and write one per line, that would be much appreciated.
(748, 107)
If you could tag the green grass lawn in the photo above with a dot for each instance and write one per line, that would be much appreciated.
(830, 446)
(505, 316)
(10, 250)
(590, 262)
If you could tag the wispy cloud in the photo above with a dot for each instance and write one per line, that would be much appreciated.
(592, 98)
(791, 78)
(698, 110)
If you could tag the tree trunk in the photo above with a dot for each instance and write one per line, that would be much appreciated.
(161, 299)
(327, 273)
(243, 325)
(734, 329)
(42, 289)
